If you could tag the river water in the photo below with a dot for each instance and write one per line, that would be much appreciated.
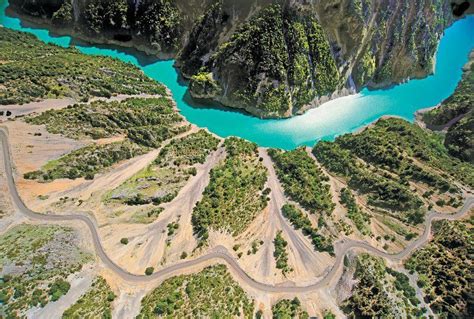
(336, 117)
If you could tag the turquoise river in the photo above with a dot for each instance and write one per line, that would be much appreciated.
(339, 116)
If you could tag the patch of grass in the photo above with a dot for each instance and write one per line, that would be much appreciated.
(209, 293)
(161, 181)
(95, 303)
(147, 215)
(235, 194)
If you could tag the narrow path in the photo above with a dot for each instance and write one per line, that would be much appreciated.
(220, 253)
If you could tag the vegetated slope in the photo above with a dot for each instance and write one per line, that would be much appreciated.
(32, 70)
(380, 292)
(457, 112)
(302, 180)
(445, 269)
(210, 293)
(299, 220)
(269, 57)
(95, 303)
(279, 60)
(395, 164)
(235, 194)
(36, 260)
(162, 180)
(145, 122)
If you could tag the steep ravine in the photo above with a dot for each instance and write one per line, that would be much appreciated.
(273, 58)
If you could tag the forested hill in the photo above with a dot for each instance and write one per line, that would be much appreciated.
(270, 57)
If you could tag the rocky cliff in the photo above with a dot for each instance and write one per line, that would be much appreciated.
(270, 57)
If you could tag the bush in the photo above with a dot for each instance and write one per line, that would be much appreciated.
(149, 271)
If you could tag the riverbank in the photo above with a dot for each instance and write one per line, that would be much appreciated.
(330, 119)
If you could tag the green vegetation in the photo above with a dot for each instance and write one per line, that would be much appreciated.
(302, 179)
(360, 218)
(289, 309)
(329, 315)
(95, 303)
(255, 246)
(402, 283)
(299, 220)
(459, 139)
(146, 121)
(293, 55)
(161, 181)
(365, 69)
(36, 260)
(156, 24)
(203, 85)
(172, 228)
(459, 103)
(203, 39)
(149, 271)
(460, 136)
(33, 70)
(211, 293)
(146, 215)
(235, 194)
(280, 253)
(59, 288)
(86, 161)
(124, 241)
(381, 161)
(188, 150)
(444, 269)
(152, 185)
(380, 292)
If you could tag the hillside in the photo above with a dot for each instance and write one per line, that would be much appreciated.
(271, 58)
(455, 116)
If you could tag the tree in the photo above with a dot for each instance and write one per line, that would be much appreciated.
(149, 271)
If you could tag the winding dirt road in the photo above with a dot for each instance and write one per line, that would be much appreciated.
(218, 253)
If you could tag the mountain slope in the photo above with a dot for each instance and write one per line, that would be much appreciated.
(273, 58)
